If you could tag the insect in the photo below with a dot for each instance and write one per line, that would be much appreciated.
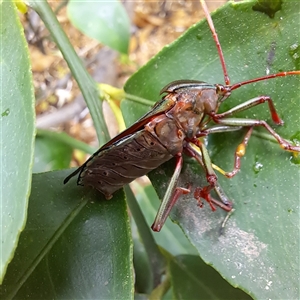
(174, 126)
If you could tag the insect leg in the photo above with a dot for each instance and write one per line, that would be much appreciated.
(217, 129)
(226, 204)
(172, 194)
(248, 104)
(207, 164)
(285, 145)
(205, 192)
(221, 119)
(240, 151)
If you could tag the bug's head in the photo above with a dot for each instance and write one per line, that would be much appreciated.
(223, 92)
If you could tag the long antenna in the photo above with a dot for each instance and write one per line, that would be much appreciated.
(281, 74)
(215, 36)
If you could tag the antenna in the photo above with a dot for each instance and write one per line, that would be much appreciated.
(216, 38)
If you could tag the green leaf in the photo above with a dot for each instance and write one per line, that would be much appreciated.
(171, 238)
(64, 138)
(142, 266)
(75, 245)
(154, 254)
(269, 7)
(17, 131)
(53, 150)
(259, 251)
(191, 278)
(107, 22)
(51, 154)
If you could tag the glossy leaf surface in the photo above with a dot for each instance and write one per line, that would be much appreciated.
(192, 279)
(259, 249)
(50, 155)
(171, 238)
(105, 21)
(75, 245)
(17, 131)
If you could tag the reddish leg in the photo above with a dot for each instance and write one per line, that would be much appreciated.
(285, 145)
(205, 194)
(239, 153)
(171, 196)
(240, 150)
(203, 159)
(248, 104)
(221, 119)
(217, 129)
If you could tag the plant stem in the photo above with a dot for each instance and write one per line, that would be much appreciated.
(66, 139)
(139, 100)
(157, 260)
(85, 82)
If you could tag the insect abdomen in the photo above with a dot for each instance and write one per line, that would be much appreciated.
(126, 160)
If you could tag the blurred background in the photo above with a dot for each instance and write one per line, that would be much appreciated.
(59, 103)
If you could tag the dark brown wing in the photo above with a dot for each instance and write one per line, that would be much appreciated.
(159, 108)
(131, 157)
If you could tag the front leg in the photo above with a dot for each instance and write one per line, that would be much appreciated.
(203, 159)
(171, 196)
(285, 145)
(222, 120)
(248, 104)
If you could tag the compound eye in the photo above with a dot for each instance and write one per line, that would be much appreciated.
(220, 89)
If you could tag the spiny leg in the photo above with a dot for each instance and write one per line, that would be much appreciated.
(171, 196)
